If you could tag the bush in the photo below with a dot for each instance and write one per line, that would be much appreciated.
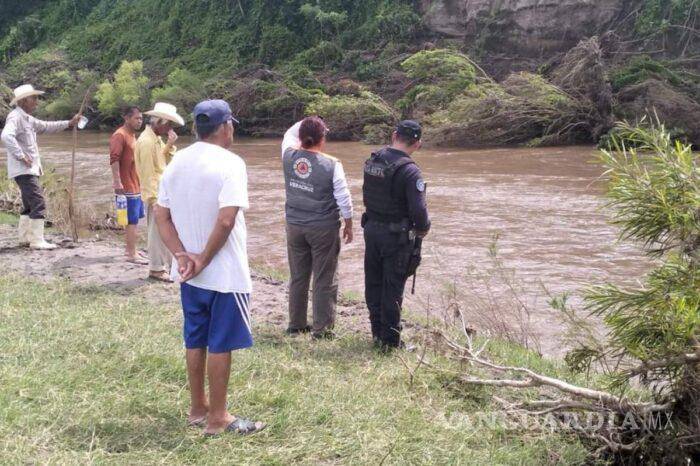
(47, 69)
(5, 97)
(68, 101)
(639, 69)
(440, 65)
(377, 133)
(347, 116)
(22, 37)
(388, 21)
(524, 107)
(346, 87)
(646, 368)
(655, 191)
(277, 43)
(324, 55)
(657, 16)
(129, 87)
(182, 89)
(441, 75)
(328, 22)
(265, 103)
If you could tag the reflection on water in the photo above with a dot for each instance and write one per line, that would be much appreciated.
(544, 203)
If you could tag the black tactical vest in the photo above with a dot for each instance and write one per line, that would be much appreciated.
(377, 195)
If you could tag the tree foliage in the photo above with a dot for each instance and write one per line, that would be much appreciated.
(654, 189)
(440, 75)
(347, 116)
(128, 87)
(182, 89)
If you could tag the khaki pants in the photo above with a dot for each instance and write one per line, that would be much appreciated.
(159, 258)
(313, 250)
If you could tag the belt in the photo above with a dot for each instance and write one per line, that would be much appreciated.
(377, 219)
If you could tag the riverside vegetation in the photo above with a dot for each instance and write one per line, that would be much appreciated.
(360, 64)
(648, 363)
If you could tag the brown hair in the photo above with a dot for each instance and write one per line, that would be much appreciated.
(311, 131)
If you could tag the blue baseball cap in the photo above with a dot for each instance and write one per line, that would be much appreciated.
(211, 113)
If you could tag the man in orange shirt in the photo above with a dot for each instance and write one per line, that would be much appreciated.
(125, 179)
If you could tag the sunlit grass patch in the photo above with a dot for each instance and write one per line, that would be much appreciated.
(88, 375)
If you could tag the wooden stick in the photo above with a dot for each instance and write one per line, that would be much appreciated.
(71, 187)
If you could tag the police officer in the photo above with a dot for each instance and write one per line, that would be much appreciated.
(396, 214)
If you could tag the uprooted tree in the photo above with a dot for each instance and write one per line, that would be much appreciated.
(650, 360)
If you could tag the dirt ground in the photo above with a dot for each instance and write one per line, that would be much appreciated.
(99, 261)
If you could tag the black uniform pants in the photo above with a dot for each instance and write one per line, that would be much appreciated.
(32, 196)
(385, 279)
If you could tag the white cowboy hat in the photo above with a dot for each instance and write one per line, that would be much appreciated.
(24, 91)
(167, 112)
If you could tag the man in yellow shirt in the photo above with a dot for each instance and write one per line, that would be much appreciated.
(152, 155)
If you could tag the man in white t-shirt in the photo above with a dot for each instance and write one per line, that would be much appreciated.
(201, 199)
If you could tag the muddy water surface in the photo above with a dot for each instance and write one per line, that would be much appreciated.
(545, 205)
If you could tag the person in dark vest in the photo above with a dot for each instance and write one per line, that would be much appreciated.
(395, 215)
(317, 196)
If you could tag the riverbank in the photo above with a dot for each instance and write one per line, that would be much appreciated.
(95, 373)
(544, 205)
(99, 262)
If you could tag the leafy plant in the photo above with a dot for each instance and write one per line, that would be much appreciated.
(347, 116)
(440, 75)
(22, 37)
(183, 89)
(68, 100)
(129, 87)
(650, 361)
(329, 22)
(654, 190)
(642, 68)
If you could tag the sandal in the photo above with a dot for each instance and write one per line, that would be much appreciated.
(242, 427)
(136, 260)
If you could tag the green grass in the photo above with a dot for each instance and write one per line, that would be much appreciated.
(92, 376)
(350, 298)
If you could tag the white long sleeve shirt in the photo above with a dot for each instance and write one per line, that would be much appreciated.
(341, 193)
(19, 138)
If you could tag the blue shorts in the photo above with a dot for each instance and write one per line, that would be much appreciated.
(134, 208)
(218, 321)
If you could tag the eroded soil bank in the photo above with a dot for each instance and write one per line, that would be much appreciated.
(545, 206)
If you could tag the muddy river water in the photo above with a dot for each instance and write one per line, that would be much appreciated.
(545, 204)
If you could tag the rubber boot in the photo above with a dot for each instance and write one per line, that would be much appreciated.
(23, 230)
(36, 236)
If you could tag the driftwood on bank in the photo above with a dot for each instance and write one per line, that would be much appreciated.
(556, 396)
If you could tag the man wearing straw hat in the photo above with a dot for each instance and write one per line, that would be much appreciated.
(24, 162)
(152, 155)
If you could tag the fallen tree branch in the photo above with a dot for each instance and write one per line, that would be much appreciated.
(533, 379)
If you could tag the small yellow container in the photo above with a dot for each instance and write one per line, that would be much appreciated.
(122, 216)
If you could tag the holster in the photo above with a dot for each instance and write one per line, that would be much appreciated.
(403, 228)
(414, 259)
